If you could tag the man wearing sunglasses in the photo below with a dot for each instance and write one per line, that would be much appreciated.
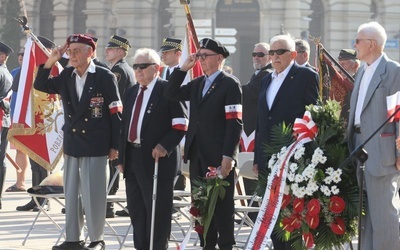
(152, 127)
(283, 97)
(92, 110)
(214, 129)
(303, 53)
(251, 90)
(378, 78)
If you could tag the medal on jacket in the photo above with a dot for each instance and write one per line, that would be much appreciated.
(96, 105)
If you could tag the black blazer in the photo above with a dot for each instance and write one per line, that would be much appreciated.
(251, 91)
(299, 89)
(87, 132)
(215, 135)
(125, 76)
(156, 129)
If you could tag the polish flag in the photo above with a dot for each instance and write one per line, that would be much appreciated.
(393, 104)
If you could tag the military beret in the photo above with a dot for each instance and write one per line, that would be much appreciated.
(79, 38)
(214, 45)
(46, 42)
(347, 54)
(118, 42)
(6, 49)
(171, 44)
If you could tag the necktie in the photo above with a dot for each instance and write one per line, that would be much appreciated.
(135, 118)
(207, 84)
(167, 74)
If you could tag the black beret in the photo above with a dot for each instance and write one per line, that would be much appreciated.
(6, 49)
(80, 38)
(214, 45)
(347, 54)
(118, 42)
(171, 44)
(46, 42)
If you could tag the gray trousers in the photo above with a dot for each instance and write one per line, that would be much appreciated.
(85, 188)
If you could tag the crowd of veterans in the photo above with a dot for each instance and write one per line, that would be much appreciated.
(135, 117)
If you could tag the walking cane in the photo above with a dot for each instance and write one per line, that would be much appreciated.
(362, 157)
(153, 207)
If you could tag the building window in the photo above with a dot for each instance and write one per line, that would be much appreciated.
(79, 17)
(46, 19)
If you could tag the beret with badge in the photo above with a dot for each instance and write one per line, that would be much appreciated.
(118, 42)
(171, 44)
(80, 38)
(346, 54)
(214, 45)
(6, 49)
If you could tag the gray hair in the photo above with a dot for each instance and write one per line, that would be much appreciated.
(151, 54)
(264, 45)
(302, 45)
(286, 39)
(374, 31)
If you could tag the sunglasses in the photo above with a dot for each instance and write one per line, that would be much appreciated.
(258, 54)
(278, 52)
(142, 65)
(204, 56)
(359, 40)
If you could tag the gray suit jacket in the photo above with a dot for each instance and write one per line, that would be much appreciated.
(381, 148)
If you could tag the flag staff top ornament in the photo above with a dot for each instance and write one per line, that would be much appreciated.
(38, 118)
(185, 4)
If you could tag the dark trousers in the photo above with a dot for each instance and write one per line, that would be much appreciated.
(139, 193)
(221, 229)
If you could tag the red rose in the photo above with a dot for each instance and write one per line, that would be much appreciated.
(285, 201)
(199, 229)
(194, 211)
(298, 205)
(338, 226)
(308, 239)
(312, 221)
(336, 204)
(313, 207)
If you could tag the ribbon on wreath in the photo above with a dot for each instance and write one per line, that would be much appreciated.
(306, 130)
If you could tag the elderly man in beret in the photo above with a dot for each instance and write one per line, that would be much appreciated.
(92, 111)
(348, 60)
(5, 87)
(214, 130)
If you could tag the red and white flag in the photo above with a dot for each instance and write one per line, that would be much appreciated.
(38, 117)
(393, 104)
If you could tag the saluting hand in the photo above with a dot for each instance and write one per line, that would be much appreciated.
(159, 151)
(189, 63)
(55, 55)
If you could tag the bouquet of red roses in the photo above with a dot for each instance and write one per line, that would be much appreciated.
(205, 194)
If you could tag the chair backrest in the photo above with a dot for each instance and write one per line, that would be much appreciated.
(245, 165)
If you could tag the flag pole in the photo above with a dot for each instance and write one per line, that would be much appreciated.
(185, 4)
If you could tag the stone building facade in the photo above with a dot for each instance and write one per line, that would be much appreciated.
(241, 23)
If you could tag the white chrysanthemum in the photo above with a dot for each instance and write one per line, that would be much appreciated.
(323, 159)
(336, 178)
(312, 185)
(328, 180)
(298, 178)
(335, 190)
(272, 161)
(318, 156)
(293, 167)
(325, 190)
(283, 150)
(299, 152)
(286, 190)
(290, 176)
(299, 192)
(309, 172)
(329, 170)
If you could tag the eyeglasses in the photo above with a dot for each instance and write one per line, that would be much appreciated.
(142, 65)
(278, 52)
(359, 40)
(21, 54)
(300, 52)
(258, 54)
(73, 51)
(204, 56)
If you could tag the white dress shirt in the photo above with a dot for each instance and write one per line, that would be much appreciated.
(276, 83)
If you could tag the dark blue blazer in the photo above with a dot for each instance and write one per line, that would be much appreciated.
(85, 134)
(299, 89)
